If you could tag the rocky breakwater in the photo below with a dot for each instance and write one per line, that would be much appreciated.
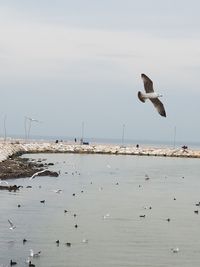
(8, 150)
(12, 166)
(63, 147)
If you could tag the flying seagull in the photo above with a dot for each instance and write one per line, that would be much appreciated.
(151, 95)
(36, 174)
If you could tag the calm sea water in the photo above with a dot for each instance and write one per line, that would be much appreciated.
(111, 193)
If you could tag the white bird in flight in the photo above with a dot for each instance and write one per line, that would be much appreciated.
(36, 174)
(12, 226)
(151, 95)
(32, 119)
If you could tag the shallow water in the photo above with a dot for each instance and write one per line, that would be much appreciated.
(107, 186)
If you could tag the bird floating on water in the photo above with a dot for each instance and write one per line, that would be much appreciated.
(58, 191)
(30, 264)
(12, 226)
(34, 255)
(13, 263)
(175, 250)
(151, 95)
(106, 216)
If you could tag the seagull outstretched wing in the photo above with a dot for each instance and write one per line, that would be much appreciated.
(148, 84)
(36, 174)
(159, 106)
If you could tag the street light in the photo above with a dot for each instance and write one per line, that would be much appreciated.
(123, 130)
(82, 134)
(4, 124)
(174, 136)
(28, 127)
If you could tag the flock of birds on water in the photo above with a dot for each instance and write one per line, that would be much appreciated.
(34, 255)
(12, 226)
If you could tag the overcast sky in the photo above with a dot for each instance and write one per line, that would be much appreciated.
(64, 62)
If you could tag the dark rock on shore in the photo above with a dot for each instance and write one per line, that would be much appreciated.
(17, 167)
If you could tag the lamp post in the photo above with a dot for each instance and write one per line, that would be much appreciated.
(5, 130)
(28, 127)
(123, 130)
(174, 136)
(82, 132)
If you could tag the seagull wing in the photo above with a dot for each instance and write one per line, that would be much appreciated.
(33, 176)
(148, 84)
(159, 106)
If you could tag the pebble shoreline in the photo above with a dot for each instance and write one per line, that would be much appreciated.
(8, 149)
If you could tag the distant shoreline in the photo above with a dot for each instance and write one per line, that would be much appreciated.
(14, 147)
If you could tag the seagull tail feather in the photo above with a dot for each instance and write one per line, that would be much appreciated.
(141, 97)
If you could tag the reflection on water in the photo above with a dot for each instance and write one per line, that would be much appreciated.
(100, 212)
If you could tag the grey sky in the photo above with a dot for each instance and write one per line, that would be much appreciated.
(64, 62)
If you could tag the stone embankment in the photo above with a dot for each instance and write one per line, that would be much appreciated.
(14, 148)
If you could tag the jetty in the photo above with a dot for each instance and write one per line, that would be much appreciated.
(12, 148)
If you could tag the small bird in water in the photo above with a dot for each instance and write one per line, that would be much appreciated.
(13, 263)
(58, 191)
(106, 216)
(35, 255)
(24, 241)
(151, 95)
(12, 226)
(175, 250)
(30, 264)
